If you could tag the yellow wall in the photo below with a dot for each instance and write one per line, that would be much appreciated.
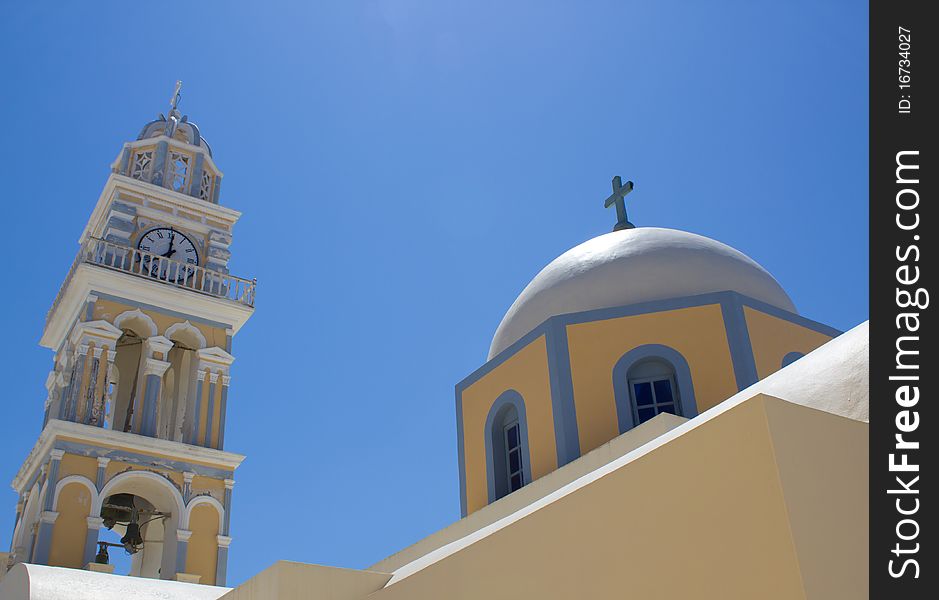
(680, 522)
(773, 338)
(696, 333)
(202, 556)
(526, 372)
(71, 527)
(78, 465)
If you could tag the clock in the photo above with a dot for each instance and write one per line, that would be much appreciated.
(168, 243)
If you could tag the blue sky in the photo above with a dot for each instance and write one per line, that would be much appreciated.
(404, 169)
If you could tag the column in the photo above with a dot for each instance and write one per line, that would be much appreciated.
(48, 516)
(223, 539)
(226, 380)
(69, 409)
(197, 414)
(226, 522)
(102, 470)
(159, 164)
(210, 410)
(187, 486)
(182, 549)
(153, 380)
(91, 539)
(221, 568)
(91, 390)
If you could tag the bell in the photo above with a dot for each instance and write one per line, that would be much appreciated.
(118, 508)
(102, 556)
(132, 540)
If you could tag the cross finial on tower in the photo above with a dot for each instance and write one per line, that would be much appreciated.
(174, 101)
(618, 197)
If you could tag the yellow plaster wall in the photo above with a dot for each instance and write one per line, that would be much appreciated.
(773, 338)
(202, 555)
(216, 487)
(678, 522)
(116, 467)
(85, 466)
(697, 333)
(527, 373)
(71, 527)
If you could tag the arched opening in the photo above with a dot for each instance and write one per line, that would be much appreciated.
(129, 350)
(141, 513)
(176, 409)
(653, 389)
(507, 446)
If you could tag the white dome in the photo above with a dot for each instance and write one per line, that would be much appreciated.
(632, 266)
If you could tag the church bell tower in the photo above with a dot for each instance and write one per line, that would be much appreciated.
(131, 454)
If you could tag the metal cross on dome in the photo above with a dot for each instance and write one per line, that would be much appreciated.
(618, 197)
(174, 100)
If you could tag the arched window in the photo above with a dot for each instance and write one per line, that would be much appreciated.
(652, 389)
(649, 380)
(507, 445)
(790, 358)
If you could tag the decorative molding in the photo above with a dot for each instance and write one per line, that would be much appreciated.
(91, 436)
(57, 454)
(48, 516)
(103, 462)
(136, 314)
(229, 484)
(158, 343)
(94, 522)
(183, 535)
(153, 366)
(185, 326)
(131, 289)
(224, 541)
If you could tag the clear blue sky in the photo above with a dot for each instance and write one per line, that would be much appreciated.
(404, 169)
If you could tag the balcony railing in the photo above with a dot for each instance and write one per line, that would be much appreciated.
(156, 267)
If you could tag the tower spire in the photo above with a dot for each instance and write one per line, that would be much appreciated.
(174, 100)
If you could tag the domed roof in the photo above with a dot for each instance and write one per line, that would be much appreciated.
(632, 266)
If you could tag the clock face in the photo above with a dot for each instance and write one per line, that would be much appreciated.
(168, 243)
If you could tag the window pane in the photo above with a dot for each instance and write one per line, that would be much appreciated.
(516, 481)
(511, 435)
(645, 414)
(663, 391)
(643, 394)
(669, 408)
(515, 461)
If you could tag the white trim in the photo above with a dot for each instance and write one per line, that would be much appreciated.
(94, 522)
(136, 314)
(129, 441)
(48, 516)
(215, 354)
(210, 500)
(185, 326)
(158, 343)
(223, 541)
(135, 474)
(133, 289)
(152, 366)
(149, 191)
(75, 479)
(183, 535)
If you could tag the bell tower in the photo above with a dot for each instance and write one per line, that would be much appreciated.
(132, 443)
